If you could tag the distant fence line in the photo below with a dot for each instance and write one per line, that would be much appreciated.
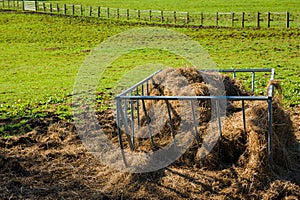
(219, 19)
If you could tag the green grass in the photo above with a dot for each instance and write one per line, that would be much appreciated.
(198, 5)
(40, 56)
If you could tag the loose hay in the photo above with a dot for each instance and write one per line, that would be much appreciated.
(51, 161)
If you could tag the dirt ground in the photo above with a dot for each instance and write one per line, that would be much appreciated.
(51, 162)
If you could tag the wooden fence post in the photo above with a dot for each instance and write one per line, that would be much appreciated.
(150, 15)
(217, 18)
(57, 8)
(175, 17)
(44, 6)
(127, 11)
(243, 19)
(91, 11)
(81, 10)
(118, 13)
(73, 9)
(287, 19)
(139, 14)
(51, 9)
(232, 19)
(258, 19)
(269, 19)
(201, 18)
(99, 11)
(162, 16)
(108, 14)
(187, 17)
(65, 9)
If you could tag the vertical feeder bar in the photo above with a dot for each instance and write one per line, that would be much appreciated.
(148, 123)
(244, 117)
(195, 123)
(220, 126)
(171, 122)
(137, 109)
(119, 109)
(270, 120)
(132, 120)
(253, 80)
(125, 119)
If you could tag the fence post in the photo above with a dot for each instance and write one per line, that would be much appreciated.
(108, 14)
(150, 15)
(187, 17)
(99, 11)
(217, 18)
(127, 14)
(73, 9)
(232, 19)
(175, 17)
(243, 19)
(162, 16)
(287, 19)
(269, 19)
(91, 11)
(57, 8)
(118, 13)
(44, 7)
(258, 19)
(50, 7)
(65, 9)
(201, 18)
(139, 14)
(81, 10)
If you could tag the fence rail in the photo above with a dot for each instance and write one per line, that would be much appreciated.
(219, 19)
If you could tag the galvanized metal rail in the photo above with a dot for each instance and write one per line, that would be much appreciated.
(129, 102)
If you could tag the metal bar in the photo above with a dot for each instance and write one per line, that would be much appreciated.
(171, 122)
(220, 127)
(132, 121)
(234, 98)
(148, 123)
(147, 87)
(127, 132)
(270, 120)
(119, 109)
(244, 117)
(252, 81)
(195, 123)
(271, 88)
(138, 110)
(234, 75)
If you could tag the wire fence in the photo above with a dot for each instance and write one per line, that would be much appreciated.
(218, 19)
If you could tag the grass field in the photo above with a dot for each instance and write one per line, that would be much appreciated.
(48, 50)
(198, 5)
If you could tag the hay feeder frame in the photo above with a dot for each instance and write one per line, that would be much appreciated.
(128, 102)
